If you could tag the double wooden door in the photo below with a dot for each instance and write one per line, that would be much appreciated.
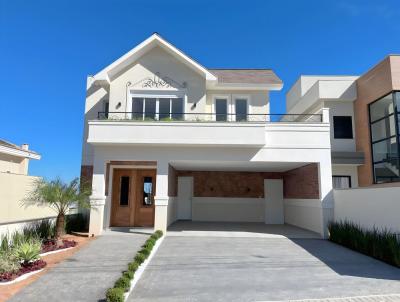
(132, 202)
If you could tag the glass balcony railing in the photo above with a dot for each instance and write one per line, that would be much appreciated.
(208, 117)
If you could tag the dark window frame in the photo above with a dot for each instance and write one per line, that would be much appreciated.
(396, 114)
(346, 176)
(335, 136)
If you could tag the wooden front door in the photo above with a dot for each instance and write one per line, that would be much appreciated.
(132, 202)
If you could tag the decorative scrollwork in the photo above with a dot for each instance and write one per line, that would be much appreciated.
(157, 82)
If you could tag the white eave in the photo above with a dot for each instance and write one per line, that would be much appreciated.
(19, 152)
(130, 57)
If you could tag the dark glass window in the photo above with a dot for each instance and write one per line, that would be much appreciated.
(221, 109)
(164, 107)
(384, 127)
(241, 109)
(150, 108)
(342, 127)
(147, 191)
(124, 191)
(177, 109)
(137, 108)
(341, 182)
(106, 109)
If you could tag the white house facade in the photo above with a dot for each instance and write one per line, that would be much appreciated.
(167, 139)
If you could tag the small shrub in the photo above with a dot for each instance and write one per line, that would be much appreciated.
(133, 266)
(128, 274)
(115, 295)
(5, 245)
(28, 251)
(380, 244)
(123, 283)
(43, 229)
(8, 262)
(140, 258)
(145, 251)
(149, 243)
(159, 233)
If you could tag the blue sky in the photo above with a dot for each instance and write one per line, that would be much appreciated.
(47, 48)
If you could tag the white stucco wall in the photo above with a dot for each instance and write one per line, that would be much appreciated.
(159, 61)
(228, 209)
(369, 207)
(341, 108)
(307, 214)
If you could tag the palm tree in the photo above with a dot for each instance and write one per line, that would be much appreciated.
(59, 196)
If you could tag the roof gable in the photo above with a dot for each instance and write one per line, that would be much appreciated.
(133, 55)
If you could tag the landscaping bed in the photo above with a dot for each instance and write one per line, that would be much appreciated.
(380, 244)
(51, 245)
(25, 268)
(123, 286)
(21, 252)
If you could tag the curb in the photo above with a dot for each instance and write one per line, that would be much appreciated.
(139, 272)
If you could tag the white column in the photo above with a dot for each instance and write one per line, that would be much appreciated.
(325, 115)
(97, 200)
(326, 192)
(161, 197)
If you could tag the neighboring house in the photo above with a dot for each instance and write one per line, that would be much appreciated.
(15, 183)
(168, 139)
(365, 118)
(364, 114)
(15, 159)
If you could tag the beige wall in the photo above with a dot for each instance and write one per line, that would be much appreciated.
(13, 188)
(13, 164)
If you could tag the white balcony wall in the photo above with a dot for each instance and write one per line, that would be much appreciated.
(176, 133)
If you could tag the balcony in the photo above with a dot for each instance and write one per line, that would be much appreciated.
(187, 129)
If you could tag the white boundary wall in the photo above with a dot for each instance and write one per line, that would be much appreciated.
(369, 207)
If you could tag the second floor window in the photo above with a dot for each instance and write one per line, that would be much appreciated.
(221, 109)
(241, 110)
(342, 127)
(157, 108)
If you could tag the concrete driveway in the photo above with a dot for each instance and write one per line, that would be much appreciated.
(88, 273)
(200, 268)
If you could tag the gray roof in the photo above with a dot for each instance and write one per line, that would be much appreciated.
(14, 146)
(246, 76)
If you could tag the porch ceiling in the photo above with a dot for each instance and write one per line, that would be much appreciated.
(236, 166)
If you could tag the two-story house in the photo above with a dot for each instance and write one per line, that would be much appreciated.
(168, 139)
(364, 117)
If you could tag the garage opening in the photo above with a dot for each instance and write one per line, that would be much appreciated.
(249, 196)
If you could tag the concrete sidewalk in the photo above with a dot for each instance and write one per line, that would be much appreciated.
(87, 274)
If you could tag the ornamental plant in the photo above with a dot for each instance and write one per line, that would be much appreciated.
(115, 295)
(123, 282)
(59, 196)
(8, 263)
(28, 251)
(133, 266)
